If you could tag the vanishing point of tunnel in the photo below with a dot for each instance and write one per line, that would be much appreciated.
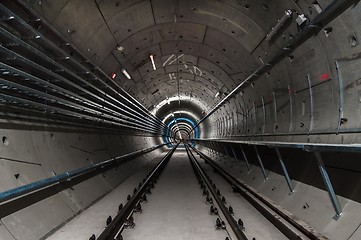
(180, 119)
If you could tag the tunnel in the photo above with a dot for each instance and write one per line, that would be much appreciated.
(180, 119)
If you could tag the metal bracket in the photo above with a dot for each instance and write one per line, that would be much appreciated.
(245, 159)
(288, 179)
(329, 187)
(261, 163)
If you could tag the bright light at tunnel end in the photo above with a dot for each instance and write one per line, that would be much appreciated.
(181, 127)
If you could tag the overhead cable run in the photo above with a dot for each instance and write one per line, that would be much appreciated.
(45, 78)
(333, 10)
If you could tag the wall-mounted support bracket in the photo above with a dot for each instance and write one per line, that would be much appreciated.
(225, 149)
(234, 154)
(245, 159)
(261, 163)
(285, 172)
(329, 187)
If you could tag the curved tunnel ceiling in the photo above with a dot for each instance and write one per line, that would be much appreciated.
(202, 50)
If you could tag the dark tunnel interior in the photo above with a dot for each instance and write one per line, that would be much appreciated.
(258, 100)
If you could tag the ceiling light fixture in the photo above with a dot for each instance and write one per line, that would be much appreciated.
(113, 75)
(120, 48)
(217, 94)
(153, 63)
(126, 74)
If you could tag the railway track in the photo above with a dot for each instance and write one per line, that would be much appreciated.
(124, 217)
(196, 199)
(290, 226)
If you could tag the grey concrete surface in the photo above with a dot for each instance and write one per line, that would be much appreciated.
(55, 152)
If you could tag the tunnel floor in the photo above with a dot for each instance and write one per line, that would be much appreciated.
(176, 209)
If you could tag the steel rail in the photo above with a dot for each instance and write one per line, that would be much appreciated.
(112, 229)
(67, 176)
(251, 195)
(232, 222)
(333, 10)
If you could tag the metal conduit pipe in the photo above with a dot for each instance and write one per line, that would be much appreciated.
(145, 114)
(75, 107)
(286, 16)
(333, 10)
(42, 106)
(309, 147)
(343, 131)
(120, 91)
(67, 176)
(95, 69)
(27, 61)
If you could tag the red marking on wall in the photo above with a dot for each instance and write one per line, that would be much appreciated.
(325, 77)
(292, 90)
(113, 75)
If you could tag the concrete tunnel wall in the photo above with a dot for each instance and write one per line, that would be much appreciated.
(299, 100)
(34, 153)
(310, 97)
